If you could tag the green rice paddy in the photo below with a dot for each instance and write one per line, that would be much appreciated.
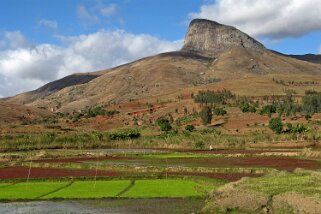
(172, 188)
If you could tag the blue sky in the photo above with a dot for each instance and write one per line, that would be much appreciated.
(42, 40)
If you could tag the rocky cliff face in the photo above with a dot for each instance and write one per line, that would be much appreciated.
(208, 38)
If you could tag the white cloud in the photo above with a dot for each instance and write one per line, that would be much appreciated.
(27, 68)
(108, 10)
(13, 39)
(265, 18)
(49, 24)
(84, 14)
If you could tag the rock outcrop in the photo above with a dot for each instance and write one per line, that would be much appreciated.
(208, 38)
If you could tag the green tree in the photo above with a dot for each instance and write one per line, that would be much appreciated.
(206, 115)
(276, 125)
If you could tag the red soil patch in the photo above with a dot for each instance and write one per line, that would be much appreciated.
(281, 163)
(224, 176)
(22, 172)
(79, 159)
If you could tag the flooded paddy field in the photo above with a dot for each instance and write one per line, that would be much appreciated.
(111, 206)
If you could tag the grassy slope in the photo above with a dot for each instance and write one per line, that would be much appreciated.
(298, 192)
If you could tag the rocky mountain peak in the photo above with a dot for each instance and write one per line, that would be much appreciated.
(208, 38)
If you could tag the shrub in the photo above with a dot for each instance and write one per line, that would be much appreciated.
(98, 110)
(199, 145)
(211, 97)
(247, 107)
(297, 128)
(164, 124)
(190, 128)
(206, 115)
(312, 102)
(125, 134)
(268, 109)
(219, 111)
(276, 125)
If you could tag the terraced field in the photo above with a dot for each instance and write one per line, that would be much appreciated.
(124, 176)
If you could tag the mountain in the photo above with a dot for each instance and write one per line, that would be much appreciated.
(214, 56)
(209, 38)
(308, 57)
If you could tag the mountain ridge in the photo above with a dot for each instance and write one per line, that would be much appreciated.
(222, 54)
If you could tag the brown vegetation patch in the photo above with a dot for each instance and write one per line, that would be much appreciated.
(236, 199)
(288, 145)
(296, 203)
(22, 172)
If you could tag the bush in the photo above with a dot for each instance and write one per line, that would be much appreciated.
(268, 109)
(199, 145)
(276, 125)
(219, 111)
(125, 134)
(164, 124)
(307, 117)
(211, 97)
(297, 128)
(98, 110)
(190, 128)
(206, 115)
(312, 102)
(247, 107)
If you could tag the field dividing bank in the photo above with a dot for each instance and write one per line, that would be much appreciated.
(152, 188)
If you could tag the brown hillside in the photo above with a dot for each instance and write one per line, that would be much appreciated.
(214, 56)
(13, 113)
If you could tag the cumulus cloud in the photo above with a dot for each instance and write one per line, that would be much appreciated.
(13, 39)
(26, 68)
(49, 24)
(108, 10)
(84, 14)
(265, 18)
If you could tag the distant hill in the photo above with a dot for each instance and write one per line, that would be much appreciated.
(308, 57)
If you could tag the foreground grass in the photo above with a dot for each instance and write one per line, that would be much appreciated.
(300, 182)
(173, 188)
(281, 192)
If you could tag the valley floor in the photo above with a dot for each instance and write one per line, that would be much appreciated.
(139, 178)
